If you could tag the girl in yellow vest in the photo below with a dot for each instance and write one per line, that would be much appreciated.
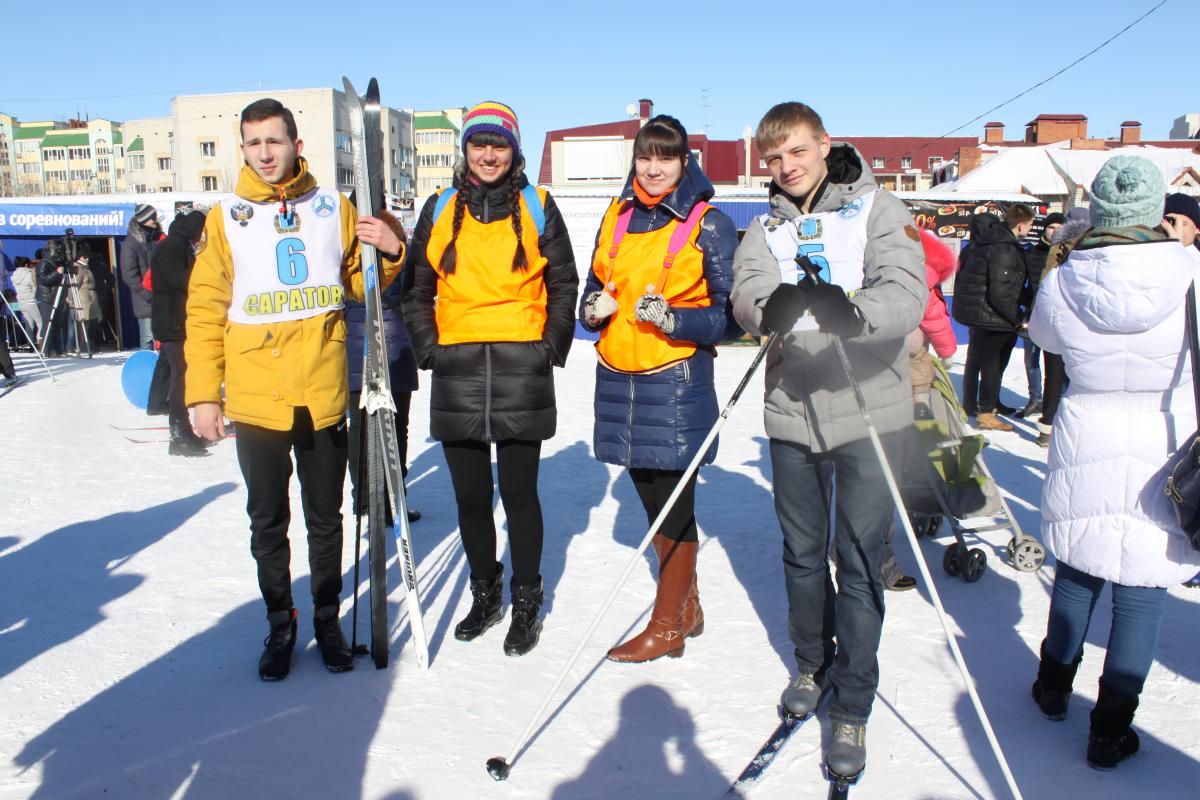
(657, 293)
(490, 312)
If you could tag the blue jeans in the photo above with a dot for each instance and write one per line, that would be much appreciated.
(145, 334)
(1033, 369)
(1137, 613)
(816, 613)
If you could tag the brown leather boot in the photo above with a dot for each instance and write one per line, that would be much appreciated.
(664, 635)
(693, 614)
(988, 421)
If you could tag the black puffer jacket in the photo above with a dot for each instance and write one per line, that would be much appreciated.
(987, 290)
(171, 266)
(491, 391)
(1035, 265)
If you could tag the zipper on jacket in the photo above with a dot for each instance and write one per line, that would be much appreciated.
(629, 426)
(487, 392)
(687, 373)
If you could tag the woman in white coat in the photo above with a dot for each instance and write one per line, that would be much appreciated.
(1114, 311)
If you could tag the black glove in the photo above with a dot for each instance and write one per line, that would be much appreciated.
(783, 308)
(833, 311)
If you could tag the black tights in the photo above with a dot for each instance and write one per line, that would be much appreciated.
(517, 461)
(654, 486)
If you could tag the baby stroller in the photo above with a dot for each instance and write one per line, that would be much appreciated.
(946, 478)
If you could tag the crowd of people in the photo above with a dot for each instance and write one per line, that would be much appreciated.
(486, 297)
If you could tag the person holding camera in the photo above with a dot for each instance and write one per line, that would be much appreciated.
(51, 275)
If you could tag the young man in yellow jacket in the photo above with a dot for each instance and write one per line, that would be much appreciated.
(264, 318)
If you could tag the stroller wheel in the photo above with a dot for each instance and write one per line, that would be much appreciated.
(952, 560)
(974, 565)
(1028, 556)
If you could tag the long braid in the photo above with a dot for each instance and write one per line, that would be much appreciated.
(520, 261)
(449, 259)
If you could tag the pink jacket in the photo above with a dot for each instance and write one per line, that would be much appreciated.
(940, 264)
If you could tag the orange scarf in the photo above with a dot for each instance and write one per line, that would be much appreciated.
(648, 200)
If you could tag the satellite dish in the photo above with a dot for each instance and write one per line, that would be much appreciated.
(632, 109)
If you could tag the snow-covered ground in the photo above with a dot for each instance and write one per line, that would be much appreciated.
(131, 625)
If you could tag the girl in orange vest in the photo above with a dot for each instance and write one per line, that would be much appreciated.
(657, 293)
(490, 312)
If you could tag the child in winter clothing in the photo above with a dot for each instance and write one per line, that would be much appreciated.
(491, 311)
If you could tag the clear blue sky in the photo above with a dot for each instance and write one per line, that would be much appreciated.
(883, 68)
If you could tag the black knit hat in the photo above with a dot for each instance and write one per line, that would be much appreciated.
(1053, 218)
(1184, 205)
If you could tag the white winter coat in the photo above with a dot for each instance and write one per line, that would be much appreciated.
(1116, 315)
(25, 283)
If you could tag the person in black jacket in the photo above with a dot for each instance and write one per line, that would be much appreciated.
(136, 251)
(171, 266)
(49, 278)
(1035, 265)
(987, 299)
(491, 312)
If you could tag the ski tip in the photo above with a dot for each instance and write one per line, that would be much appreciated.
(348, 86)
(498, 768)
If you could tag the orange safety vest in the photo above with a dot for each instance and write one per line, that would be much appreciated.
(668, 261)
(485, 300)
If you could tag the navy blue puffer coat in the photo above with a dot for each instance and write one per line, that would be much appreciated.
(402, 364)
(659, 420)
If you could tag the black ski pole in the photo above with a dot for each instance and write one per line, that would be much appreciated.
(499, 767)
(360, 471)
(814, 275)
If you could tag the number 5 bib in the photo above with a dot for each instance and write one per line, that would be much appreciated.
(834, 241)
(284, 267)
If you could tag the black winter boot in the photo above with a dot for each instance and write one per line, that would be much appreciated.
(1052, 689)
(276, 659)
(487, 595)
(1111, 739)
(524, 628)
(185, 443)
(335, 652)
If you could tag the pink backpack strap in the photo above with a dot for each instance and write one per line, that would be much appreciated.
(619, 232)
(679, 239)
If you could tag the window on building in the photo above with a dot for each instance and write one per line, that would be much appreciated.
(208, 149)
(81, 174)
(395, 184)
(30, 169)
(80, 153)
(120, 151)
(103, 164)
(341, 140)
(908, 183)
(878, 162)
(395, 158)
(55, 154)
(27, 146)
(166, 188)
(345, 176)
(56, 176)
(139, 187)
(164, 165)
(137, 163)
(906, 162)
(208, 183)
(935, 162)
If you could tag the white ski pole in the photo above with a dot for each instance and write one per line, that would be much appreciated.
(499, 767)
(813, 274)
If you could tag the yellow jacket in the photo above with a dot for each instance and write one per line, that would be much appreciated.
(269, 369)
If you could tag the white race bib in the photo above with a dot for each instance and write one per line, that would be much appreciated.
(284, 268)
(834, 241)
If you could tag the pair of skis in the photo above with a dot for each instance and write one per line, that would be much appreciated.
(839, 786)
(385, 480)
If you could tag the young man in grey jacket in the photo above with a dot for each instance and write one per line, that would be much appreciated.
(827, 211)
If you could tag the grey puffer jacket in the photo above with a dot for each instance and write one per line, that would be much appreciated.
(808, 399)
(136, 250)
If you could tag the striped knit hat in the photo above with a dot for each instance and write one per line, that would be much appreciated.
(495, 118)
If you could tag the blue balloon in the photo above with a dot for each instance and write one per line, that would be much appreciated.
(136, 375)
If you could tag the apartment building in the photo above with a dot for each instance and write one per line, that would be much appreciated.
(438, 147)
